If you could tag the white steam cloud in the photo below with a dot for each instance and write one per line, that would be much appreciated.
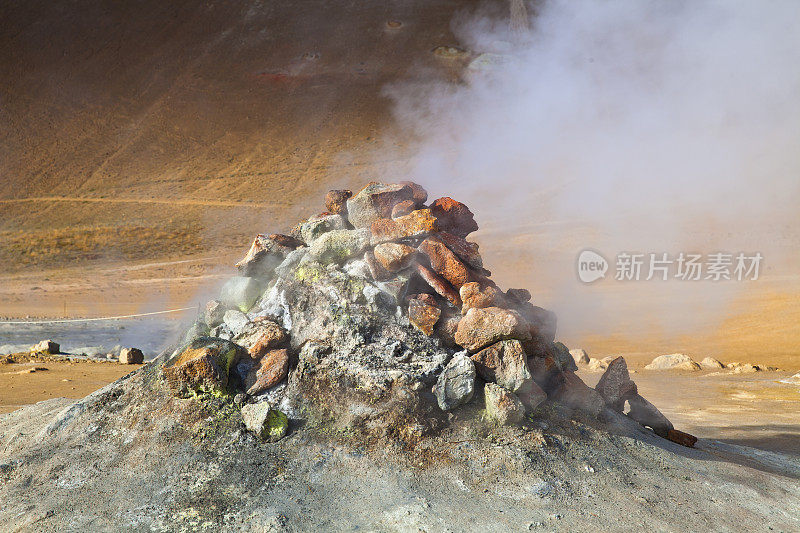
(652, 126)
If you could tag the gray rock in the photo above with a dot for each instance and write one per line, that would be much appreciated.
(502, 406)
(563, 357)
(339, 245)
(646, 414)
(131, 356)
(263, 257)
(290, 262)
(214, 313)
(580, 356)
(711, 364)
(235, 320)
(615, 385)
(531, 395)
(357, 268)
(240, 293)
(316, 226)
(376, 201)
(674, 361)
(504, 363)
(456, 384)
(46, 346)
(265, 422)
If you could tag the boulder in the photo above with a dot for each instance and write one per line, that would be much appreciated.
(376, 269)
(240, 293)
(546, 373)
(290, 262)
(265, 422)
(203, 366)
(531, 395)
(646, 414)
(131, 356)
(420, 195)
(46, 346)
(214, 313)
(743, 368)
(465, 250)
(376, 201)
(314, 227)
(423, 315)
(519, 296)
(394, 256)
(481, 327)
(261, 337)
(403, 208)
(542, 323)
(599, 365)
(574, 393)
(475, 294)
(711, 364)
(336, 201)
(445, 263)
(337, 246)
(438, 284)
(456, 383)
(561, 354)
(502, 406)
(270, 370)
(446, 329)
(674, 361)
(415, 224)
(263, 256)
(453, 217)
(615, 385)
(580, 356)
(504, 363)
(235, 320)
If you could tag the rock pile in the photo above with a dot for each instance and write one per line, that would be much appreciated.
(380, 309)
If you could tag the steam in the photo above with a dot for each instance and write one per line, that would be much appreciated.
(643, 126)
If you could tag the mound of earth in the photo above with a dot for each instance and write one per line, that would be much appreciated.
(365, 372)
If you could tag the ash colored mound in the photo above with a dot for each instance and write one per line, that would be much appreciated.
(675, 361)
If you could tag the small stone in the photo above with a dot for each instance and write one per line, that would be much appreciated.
(415, 224)
(474, 294)
(679, 437)
(481, 327)
(504, 363)
(337, 246)
(240, 293)
(214, 313)
(454, 217)
(420, 195)
(445, 263)
(403, 208)
(646, 414)
(456, 383)
(203, 366)
(235, 320)
(265, 422)
(423, 315)
(376, 201)
(263, 337)
(616, 386)
(576, 394)
(711, 363)
(336, 201)
(438, 284)
(268, 372)
(580, 356)
(674, 361)
(519, 296)
(131, 356)
(394, 256)
(46, 346)
(317, 226)
(502, 406)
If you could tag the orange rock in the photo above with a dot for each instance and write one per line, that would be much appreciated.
(375, 268)
(403, 208)
(336, 201)
(445, 263)
(439, 284)
(286, 240)
(465, 250)
(394, 256)
(481, 327)
(376, 201)
(415, 224)
(272, 336)
(454, 217)
(679, 437)
(423, 315)
(473, 294)
(268, 372)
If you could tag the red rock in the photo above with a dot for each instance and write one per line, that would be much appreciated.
(376, 201)
(615, 386)
(445, 263)
(519, 295)
(578, 395)
(439, 284)
(336, 201)
(679, 437)
(423, 315)
(375, 268)
(454, 217)
(420, 194)
(403, 208)
(268, 372)
(271, 335)
(415, 224)
(286, 240)
(394, 256)
(465, 250)
(481, 327)
(474, 295)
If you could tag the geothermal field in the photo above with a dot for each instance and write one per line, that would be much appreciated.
(399, 266)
